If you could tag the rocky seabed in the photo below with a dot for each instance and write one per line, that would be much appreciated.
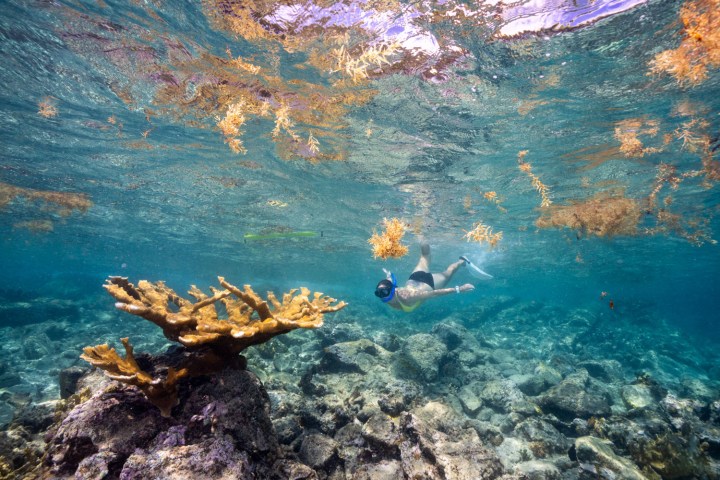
(513, 391)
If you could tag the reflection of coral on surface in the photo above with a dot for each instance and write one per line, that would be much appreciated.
(212, 342)
(604, 215)
(387, 244)
(699, 48)
(483, 234)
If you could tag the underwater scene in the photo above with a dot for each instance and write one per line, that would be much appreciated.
(360, 239)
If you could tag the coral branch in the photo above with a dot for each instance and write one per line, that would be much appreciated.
(213, 343)
(162, 393)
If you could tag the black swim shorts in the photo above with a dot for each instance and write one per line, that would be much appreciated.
(423, 277)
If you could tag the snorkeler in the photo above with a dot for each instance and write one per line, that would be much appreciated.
(421, 285)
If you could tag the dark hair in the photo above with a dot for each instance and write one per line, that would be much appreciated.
(384, 288)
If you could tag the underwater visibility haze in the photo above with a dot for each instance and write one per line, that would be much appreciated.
(569, 149)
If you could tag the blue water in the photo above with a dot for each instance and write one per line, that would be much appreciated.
(171, 201)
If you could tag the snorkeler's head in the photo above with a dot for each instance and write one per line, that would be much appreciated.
(384, 288)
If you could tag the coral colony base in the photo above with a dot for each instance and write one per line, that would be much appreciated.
(212, 343)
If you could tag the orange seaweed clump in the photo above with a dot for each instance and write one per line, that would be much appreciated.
(606, 214)
(693, 136)
(628, 131)
(47, 107)
(699, 48)
(357, 67)
(542, 189)
(387, 244)
(61, 203)
(35, 226)
(230, 126)
(696, 231)
(481, 233)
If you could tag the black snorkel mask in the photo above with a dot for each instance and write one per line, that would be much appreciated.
(385, 289)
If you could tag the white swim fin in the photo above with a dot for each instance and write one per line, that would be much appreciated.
(474, 269)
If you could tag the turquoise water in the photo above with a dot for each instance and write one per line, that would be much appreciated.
(132, 96)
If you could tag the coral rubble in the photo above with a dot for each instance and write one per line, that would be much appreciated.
(212, 343)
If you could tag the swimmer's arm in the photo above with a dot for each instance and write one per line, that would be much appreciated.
(440, 292)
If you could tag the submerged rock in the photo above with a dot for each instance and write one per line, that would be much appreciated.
(215, 458)
(356, 356)
(598, 461)
(420, 357)
(471, 403)
(433, 454)
(544, 438)
(382, 432)
(637, 396)
(318, 450)
(537, 470)
(221, 429)
(576, 396)
(504, 396)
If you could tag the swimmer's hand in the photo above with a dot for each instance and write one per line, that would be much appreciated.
(467, 288)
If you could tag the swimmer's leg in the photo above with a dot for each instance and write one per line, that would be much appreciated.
(423, 264)
(441, 279)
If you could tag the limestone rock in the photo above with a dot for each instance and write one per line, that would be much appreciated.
(317, 450)
(576, 396)
(504, 396)
(537, 470)
(381, 431)
(420, 357)
(215, 459)
(543, 437)
(637, 396)
(471, 403)
(221, 429)
(598, 460)
(383, 470)
(356, 356)
(428, 454)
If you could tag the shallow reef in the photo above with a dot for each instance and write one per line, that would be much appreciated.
(514, 390)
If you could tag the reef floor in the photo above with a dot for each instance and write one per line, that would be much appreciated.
(510, 390)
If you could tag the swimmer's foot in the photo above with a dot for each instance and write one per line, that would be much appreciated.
(425, 248)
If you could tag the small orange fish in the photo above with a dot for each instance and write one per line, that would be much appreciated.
(611, 305)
